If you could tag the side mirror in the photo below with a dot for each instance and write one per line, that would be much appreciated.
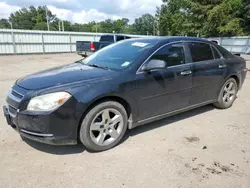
(154, 64)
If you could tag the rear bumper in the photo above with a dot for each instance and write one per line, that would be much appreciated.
(84, 53)
(30, 132)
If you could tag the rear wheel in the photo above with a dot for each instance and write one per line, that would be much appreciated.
(227, 94)
(104, 126)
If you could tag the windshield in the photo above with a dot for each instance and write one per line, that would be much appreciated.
(119, 55)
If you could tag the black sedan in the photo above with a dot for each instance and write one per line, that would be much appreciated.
(124, 85)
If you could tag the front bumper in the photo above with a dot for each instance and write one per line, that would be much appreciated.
(40, 129)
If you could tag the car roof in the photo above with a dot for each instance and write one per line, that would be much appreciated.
(169, 39)
(113, 35)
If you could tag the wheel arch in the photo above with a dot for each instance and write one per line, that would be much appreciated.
(236, 77)
(118, 99)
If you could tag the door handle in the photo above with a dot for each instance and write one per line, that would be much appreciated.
(222, 66)
(187, 72)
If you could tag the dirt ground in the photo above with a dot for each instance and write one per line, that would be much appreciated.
(205, 147)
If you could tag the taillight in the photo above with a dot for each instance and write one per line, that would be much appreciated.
(92, 46)
(245, 70)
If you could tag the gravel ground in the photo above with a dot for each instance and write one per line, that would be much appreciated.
(205, 147)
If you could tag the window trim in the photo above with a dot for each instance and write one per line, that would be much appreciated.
(221, 56)
(139, 70)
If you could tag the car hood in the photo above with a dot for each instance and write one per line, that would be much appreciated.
(62, 75)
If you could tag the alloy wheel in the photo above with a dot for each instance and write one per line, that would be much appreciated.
(229, 92)
(106, 127)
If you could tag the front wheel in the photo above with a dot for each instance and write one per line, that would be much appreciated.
(227, 94)
(104, 126)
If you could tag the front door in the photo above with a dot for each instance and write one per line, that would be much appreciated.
(208, 70)
(165, 90)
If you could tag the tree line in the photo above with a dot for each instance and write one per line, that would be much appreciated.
(204, 18)
(35, 19)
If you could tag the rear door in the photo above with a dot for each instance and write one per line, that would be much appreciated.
(208, 71)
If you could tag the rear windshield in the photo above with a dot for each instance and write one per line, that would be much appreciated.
(121, 55)
(107, 38)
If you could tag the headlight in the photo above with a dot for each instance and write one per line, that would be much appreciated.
(48, 102)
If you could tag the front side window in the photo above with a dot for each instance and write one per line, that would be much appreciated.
(200, 51)
(172, 54)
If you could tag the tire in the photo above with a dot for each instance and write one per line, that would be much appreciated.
(230, 98)
(100, 123)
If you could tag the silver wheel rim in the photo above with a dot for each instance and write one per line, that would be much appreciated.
(229, 92)
(106, 127)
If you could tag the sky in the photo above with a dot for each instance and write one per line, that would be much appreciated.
(84, 11)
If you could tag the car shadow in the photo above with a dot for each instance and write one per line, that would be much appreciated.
(167, 121)
(79, 148)
(56, 150)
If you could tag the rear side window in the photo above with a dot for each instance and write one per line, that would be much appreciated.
(107, 38)
(172, 54)
(200, 51)
(226, 54)
(118, 38)
(216, 53)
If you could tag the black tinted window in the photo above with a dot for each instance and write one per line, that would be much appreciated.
(118, 38)
(107, 38)
(172, 54)
(216, 53)
(226, 54)
(200, 51)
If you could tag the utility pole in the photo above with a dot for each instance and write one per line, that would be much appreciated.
(59, 25)
(46, 10)
(154, 28)
(11, 25)
(62, 26)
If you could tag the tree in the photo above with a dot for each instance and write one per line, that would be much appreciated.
(4, 24)
(223, 19)
(77, 27)
(120, 25)
(96, 28)
(245, 16)
(107, 26)
(203, 18)
(145, 25)
(31, 18)
(40, 26)
(173, 17)
(67, 26)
